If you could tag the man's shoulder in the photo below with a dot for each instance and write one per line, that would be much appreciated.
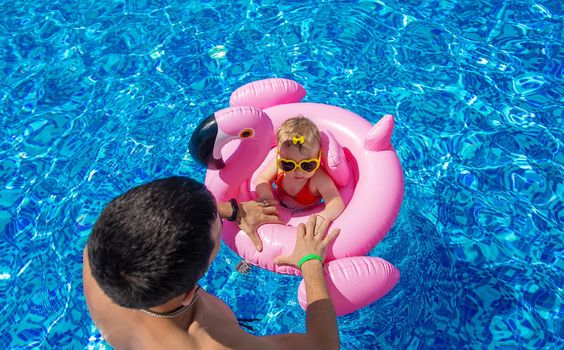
(215, 326)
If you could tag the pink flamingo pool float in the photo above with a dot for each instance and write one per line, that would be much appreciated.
(237, 142)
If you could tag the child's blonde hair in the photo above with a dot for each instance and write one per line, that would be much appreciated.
(300, 132)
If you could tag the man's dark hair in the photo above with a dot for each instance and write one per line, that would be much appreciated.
(154, 242)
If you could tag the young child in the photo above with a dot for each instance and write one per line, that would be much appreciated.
(300, 181)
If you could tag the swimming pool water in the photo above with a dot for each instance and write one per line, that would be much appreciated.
(99, 96)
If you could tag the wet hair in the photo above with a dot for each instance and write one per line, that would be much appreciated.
(296, 127)
(153, 243)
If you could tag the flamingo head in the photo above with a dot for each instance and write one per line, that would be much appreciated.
(250, 125)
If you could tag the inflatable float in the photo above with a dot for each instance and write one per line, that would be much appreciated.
(236, 143)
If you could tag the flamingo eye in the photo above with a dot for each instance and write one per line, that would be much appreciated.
(246, 133)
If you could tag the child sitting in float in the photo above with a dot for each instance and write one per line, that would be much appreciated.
(300, 181)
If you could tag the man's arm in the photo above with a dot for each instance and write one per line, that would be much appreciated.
(321, 320)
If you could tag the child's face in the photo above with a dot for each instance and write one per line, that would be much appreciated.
(293, 153)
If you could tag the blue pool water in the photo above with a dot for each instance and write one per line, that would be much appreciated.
(99, 96)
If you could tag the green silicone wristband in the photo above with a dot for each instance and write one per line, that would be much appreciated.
(307, 258)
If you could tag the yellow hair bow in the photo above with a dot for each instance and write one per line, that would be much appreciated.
(296, 140)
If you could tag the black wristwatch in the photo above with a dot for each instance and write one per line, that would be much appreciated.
(235, 208)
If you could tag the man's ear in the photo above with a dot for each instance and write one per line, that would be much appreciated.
(188, 297)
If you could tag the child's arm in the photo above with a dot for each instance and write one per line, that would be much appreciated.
(263, 182)
(334, 204)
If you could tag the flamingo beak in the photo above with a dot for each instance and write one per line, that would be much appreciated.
(202, 144)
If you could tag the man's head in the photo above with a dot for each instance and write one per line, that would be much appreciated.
(154, 242)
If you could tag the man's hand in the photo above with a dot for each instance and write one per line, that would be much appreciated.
(308, 242)
(252, 214)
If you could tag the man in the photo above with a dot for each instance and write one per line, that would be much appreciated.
(151, 245)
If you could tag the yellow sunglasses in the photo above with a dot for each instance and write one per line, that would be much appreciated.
(306, 165)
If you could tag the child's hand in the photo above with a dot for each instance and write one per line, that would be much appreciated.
(269, 202)
(321, 224)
